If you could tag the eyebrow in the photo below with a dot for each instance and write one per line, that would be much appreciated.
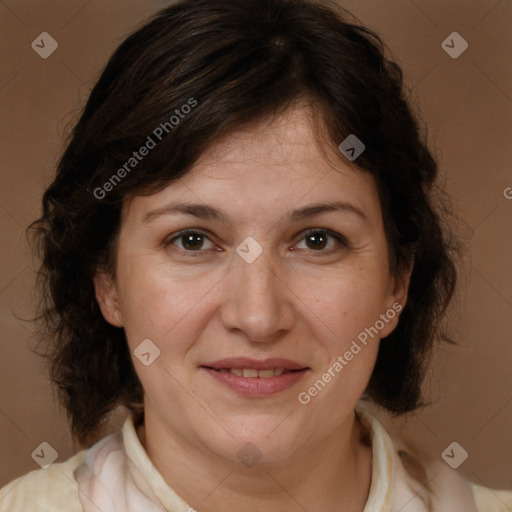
(206, 212)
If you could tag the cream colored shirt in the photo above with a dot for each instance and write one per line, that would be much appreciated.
(116, 475)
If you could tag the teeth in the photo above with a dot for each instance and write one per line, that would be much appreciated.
(266, 373)
(251, 372)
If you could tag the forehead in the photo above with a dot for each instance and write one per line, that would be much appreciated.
(282, 142)
(279, 161)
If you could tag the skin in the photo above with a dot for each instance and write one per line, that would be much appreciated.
(300, 299)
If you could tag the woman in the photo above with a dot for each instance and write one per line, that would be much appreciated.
(240, 246)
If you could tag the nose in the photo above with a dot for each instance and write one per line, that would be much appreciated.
(257, 300)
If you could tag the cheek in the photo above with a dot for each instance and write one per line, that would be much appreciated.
(153, 302)
(343, 305)
(158, 308)
(342, 318)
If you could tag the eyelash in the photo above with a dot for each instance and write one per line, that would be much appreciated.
(314, 231)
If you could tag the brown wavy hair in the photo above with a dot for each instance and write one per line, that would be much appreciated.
(241, 61)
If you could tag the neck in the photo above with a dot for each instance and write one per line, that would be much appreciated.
(334, 475)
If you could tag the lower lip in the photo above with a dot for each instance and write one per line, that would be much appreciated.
(256, 387)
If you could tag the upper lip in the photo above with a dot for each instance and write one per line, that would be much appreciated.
(247, 363)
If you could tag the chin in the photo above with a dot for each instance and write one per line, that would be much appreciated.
(269, 437)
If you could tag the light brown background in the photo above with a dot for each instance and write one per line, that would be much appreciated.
(467, 104)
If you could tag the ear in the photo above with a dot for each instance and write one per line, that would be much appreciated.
(107, 297)
(396, 297)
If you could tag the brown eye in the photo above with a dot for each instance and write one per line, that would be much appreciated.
(189, 241)
(319, 240)
(192, 241)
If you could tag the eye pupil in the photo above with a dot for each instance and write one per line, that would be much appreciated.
(192, 241)
(318, 240)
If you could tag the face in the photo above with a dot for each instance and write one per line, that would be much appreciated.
(263, 301)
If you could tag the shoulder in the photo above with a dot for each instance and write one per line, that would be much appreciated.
(446, 489)
(422, 482)
(491, 500)
(44, 490)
